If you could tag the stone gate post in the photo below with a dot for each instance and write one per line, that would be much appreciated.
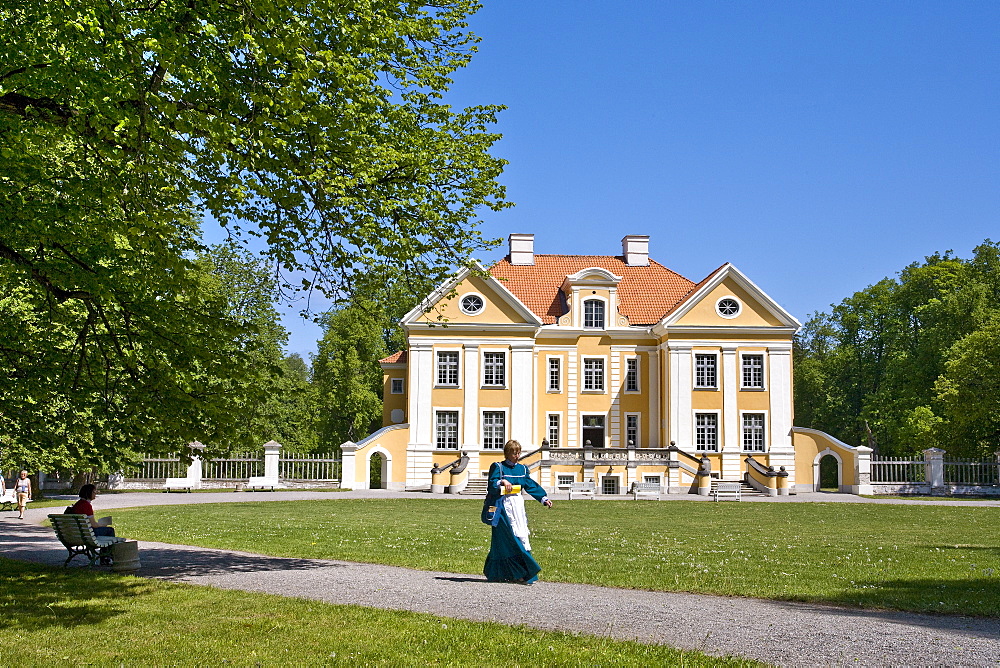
(934, 470)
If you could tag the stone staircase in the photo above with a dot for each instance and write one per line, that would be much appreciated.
(476, 487)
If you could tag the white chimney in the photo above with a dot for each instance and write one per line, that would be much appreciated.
(522, 249)
(635, 250)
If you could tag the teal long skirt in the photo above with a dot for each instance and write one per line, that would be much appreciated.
(508, 561)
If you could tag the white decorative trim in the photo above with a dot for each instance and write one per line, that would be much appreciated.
(718, 309)
(482, 305)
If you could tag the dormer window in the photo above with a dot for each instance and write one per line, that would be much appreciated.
(593, 314)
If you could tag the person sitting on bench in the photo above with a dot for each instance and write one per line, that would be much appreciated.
(88, 493)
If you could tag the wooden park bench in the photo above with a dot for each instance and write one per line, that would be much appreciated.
(77, 536)
(728, 489)
(260, 482)
(645, 489)
(582, 489)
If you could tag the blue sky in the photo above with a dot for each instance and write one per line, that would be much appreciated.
(818, 146)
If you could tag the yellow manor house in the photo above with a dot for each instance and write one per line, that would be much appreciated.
(609, 369)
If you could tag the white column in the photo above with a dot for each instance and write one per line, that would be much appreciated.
(732, 464)
(780, 391)
(681, 385)
(521, 395)
(348, 472)
(420, 386)
(654, 390)
(470, 396)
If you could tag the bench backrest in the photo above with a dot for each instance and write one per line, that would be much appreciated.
(583, 487)
(729, 486)
(648, 486)
(73, 530)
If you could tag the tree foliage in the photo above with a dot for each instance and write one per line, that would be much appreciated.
(318, 127)
(906, 363)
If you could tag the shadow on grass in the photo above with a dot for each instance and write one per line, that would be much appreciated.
(963, 606)
(46, 596)
(38, 544)
(174, 562)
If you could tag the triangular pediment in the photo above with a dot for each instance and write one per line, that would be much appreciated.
(727, 298)
(472, 298)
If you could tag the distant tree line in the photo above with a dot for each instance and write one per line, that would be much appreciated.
(910, 362)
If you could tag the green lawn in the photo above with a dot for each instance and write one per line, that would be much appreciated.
(60, 617)
(925, 558)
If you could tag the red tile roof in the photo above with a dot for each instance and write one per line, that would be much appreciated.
(645, 294)
(395, 358)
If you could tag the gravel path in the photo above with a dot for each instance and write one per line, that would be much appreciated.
(788, 634)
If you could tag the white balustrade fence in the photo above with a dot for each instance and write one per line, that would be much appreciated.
(898, 470)
(309, 466)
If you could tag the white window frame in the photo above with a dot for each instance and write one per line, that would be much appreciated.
(461, 305)
(549, 359)
(604, 312)
(397, 382)
(763, 370)
(694, 367)
(503, 369)
(635, 376)
(458, 368)
(482, 427)
(561, 483)
(650, 478)
(618, 483)
(718, 430)
(458, 428)
(638, 429)
(559, 428)
(739, 307)
(604, 374)
(764, 432)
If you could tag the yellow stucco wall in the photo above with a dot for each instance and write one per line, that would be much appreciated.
(495, 311)
(808, 444)
(752, 314)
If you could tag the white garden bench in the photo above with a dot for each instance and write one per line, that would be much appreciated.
(178, 483)
(645, 489)
(77, 536)
(9, 500)
(582, 489)
(260, 482)
(727, 489)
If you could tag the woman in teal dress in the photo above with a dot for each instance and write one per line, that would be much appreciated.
(510, 557)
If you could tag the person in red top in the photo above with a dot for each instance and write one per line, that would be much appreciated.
(83, 507)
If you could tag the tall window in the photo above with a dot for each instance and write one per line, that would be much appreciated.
(446, 429)
(553, 431)
(706, 432)
(494, 430)
(494, 371)
(593, 374)
(555, 375)
(632, 431)
(447, 368)
(397, 386)
(706, 371)
(753, 371)
(632, 374)
(593, 314)
(753, 432)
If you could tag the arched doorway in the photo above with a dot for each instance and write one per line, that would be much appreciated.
(829, 474)
(376, 469)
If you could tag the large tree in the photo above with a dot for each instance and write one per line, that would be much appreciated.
(318, 127)
(903, 364)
